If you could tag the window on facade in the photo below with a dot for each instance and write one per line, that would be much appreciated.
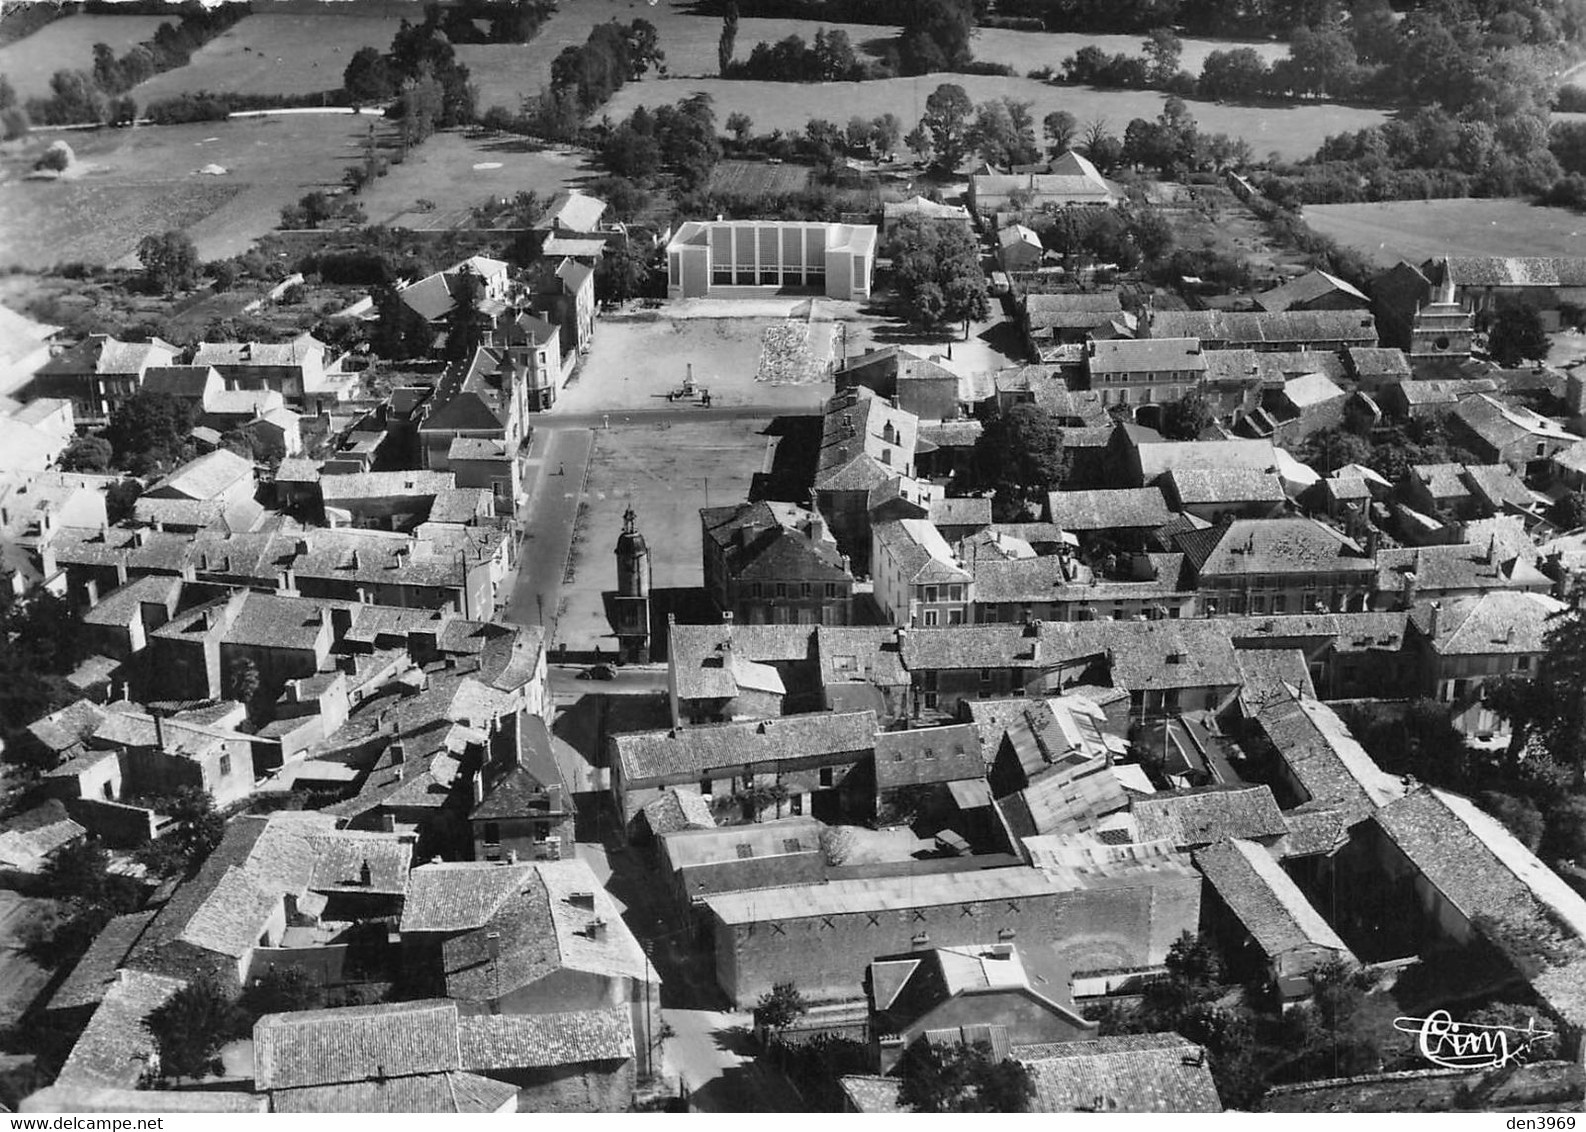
(826, 776)
(704, 786)
(831, 589)
(1541, 450)
(955, 616)
(1258, 605)
(931, 617)
(110, 792)
(795, 805)
(955, 593)
(1280, 603)
(492, 833)
(930, 594)
(781, 589)
(225, 766)
(806, 589)
(1522, 664)
(754, 589)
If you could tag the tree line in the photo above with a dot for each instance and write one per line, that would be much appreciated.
(98, 94)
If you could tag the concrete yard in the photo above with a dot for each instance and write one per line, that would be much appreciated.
(669, 472)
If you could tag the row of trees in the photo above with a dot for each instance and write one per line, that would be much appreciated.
(680, 140)
(584, 77)
(91, 95)
(830, 58)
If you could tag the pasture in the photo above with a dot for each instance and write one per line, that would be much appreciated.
(69, 43)
(1417, 230)
(457, 172)
(146, 180)
(750, 178)
(1291, 132)
(274, 54)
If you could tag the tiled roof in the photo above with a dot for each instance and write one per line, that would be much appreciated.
(1265, 900)
(922, 556)
(96, 971)
(1313, 829)
(1308, 288)
(92, 1098)
(1310, 390)
(1515, 271)
(970, 511)
(1127, 1073)
(773, 541)
(879, 894)
(1108, 509)
(1272, 546)
(1478, 865)
(860, 654)
(925, 207)
(573, 210)
(874, 1094)
(1224, 485)
(424, 1093)
(969, 646)
(304, 349)
(678, 808)
(384, 485)
(855, 454)
(1269, 368)
(1377, 361)
(490, 1042)
(694, 751)
(542, 928)
(1257, 328)
(355, 1043)
(1164, 456)
(1324, 758)
(930, 754)
(1146, 355)
(115, 1049)
(460, 897)
(1457, 567)
(208, 477)
(233, 916)
(1503, 622)
(1200, 817)
(103, 355)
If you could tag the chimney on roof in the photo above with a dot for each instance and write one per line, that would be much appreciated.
(159, 732)
(1437, 616)
(355, 563)
(365, 874)
(595, 929)
(585, 900)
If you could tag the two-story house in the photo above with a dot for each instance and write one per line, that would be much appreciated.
(1465, 642)
(770, 563)
(99, 373)
(1144, 371)
(918, 579)
(1262, 566)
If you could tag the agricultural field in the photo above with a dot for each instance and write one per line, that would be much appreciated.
(274, 54)
(146, 180)
(758, 177)
(1416, 230)
(1291, 132)
(69, 43)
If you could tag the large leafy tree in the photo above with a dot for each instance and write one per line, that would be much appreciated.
(368, 77)
(963, 1078)
(1188, 417)
(729, 38)
(282, 990)
(149, 430)
(1517, 335)
(192, 1026)
(936, 271)
(1019, 454)
(1003, 132)
(780, 1007)
(623, 273)
(946, 121)
(465, 322)
(1060, 128)
(170, 261)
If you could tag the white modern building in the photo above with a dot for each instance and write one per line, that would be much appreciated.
(748, 258)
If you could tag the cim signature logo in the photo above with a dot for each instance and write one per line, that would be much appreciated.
(1469, 1045)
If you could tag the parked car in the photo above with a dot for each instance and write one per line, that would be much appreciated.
(598, 672)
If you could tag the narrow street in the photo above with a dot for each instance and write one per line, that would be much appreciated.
(554, 480)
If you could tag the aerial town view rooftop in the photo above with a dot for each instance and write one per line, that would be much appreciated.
(724, 556)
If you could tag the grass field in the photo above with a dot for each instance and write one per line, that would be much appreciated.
(144, 181)
(275, 54)
(458, 172)
(69, 43)
(758, 177)
(1416, 230)
(1291, 132)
